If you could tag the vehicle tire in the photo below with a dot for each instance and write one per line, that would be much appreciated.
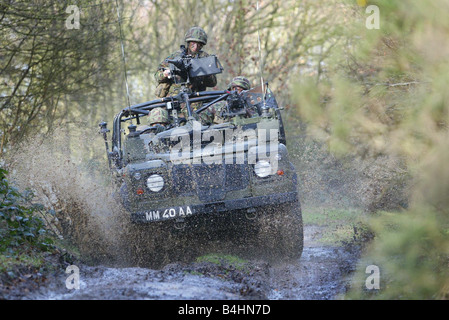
(147, 247)
(156, 245)
(280, 237)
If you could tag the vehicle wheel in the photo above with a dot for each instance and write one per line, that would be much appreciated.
(280, 236)
(147, 246)
(156, 245)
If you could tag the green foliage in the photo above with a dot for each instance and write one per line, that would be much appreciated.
(385, 97)
(411, 250)
(224, 260)
(19, 224)
(385, 89)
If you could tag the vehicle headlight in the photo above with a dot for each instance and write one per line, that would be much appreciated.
(155, 183)
(262, 168)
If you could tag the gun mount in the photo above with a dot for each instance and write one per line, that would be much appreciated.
(188, 67)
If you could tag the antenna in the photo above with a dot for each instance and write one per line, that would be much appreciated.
(260, 53)
(123, 54)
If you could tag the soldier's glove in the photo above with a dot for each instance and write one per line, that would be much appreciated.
(159, 128)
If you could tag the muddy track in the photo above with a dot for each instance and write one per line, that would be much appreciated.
(321, 274)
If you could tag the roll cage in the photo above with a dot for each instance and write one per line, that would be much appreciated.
(255, 97)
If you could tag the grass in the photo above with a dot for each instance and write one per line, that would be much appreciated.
(329, 216)
(225, 265)
(340, 225)
(10, 263)
(223, 259)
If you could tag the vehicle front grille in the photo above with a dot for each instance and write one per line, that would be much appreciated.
(209, 182)
(237, 176)
(183, 183)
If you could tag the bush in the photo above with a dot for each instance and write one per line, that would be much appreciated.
(20, 224)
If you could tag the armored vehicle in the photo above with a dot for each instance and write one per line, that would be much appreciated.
(232, 174)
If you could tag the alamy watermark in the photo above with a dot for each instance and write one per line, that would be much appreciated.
(73, 280)
(73, 20)
(233, 146)
(373, 20)
(373, 280)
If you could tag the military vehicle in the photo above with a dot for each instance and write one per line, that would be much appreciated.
(233, 174)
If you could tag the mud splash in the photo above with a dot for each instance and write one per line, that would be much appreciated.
(65, 171)
(62, 170)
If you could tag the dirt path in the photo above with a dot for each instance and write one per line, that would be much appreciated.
(320, 274)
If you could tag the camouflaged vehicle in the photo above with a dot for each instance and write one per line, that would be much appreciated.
(232, 175)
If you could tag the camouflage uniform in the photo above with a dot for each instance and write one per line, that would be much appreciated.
(216, 110)
(158, 117)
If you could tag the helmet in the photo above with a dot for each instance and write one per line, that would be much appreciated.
(241, 82)
(158, 115)
(196, 34)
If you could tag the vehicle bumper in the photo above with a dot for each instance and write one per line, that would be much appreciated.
(161, 214)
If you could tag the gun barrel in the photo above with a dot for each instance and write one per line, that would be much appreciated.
(177, 62)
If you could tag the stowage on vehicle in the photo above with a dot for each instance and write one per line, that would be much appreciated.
(232, 173)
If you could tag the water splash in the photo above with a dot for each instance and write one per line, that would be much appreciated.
(64, 171)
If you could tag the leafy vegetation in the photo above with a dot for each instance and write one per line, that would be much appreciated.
(28, 245)
(20, 226)
(384, 97)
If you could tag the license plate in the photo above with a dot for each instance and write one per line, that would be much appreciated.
(169, 213)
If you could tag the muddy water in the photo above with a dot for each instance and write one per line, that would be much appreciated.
(320, 274)
(140, 283)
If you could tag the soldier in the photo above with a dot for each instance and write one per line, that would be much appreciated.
(238, 84)
(195, 39)
(158, 118)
